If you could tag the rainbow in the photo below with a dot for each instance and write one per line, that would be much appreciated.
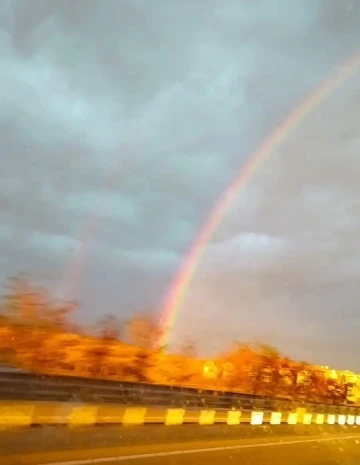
(179, 288)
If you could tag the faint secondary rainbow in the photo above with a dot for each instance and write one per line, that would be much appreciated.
(182, 281)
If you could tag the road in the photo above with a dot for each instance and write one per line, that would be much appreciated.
(184, 445)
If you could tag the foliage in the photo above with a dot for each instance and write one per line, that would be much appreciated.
(110, 328)
(36, 334)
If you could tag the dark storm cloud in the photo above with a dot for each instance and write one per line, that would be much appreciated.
(122, 122)
(293, 262)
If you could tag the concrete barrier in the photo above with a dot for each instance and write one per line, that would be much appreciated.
(257, 418)
(206, 417)
(233, 417)
(341, 420)
(174, 416)
(134, 416)
(16, 414)
(276, 418)
(25, 414)
(292, 418)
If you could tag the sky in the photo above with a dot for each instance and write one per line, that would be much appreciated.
(121, 124)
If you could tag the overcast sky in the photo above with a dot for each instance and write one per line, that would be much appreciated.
(121, 123)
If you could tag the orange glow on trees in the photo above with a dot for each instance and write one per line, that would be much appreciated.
(36, 334)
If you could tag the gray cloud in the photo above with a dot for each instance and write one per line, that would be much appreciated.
(120, 126)
(293, 264)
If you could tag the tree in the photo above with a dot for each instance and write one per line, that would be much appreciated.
(29, 315)
(110, 332)
(188, 349)
(267, 370)
(36, 334)
(302, 380)
(143, 331)
(110, 327)
(29, 306)
(337, 391)
(317, 386)
(244, 361)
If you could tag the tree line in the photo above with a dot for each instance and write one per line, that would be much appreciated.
(37, 334)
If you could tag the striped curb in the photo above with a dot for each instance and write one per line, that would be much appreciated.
(22, 414)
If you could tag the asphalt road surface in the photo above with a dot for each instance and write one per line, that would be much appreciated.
(183, 445)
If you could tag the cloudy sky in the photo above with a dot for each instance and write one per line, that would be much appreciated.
(121, 123)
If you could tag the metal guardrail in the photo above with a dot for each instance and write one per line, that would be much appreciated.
(23, 386)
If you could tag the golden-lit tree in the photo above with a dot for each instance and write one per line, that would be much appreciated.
(188, 349)
(143, 331)
(245, 361)
(36, 333)
(110, 327)
(26, 305)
